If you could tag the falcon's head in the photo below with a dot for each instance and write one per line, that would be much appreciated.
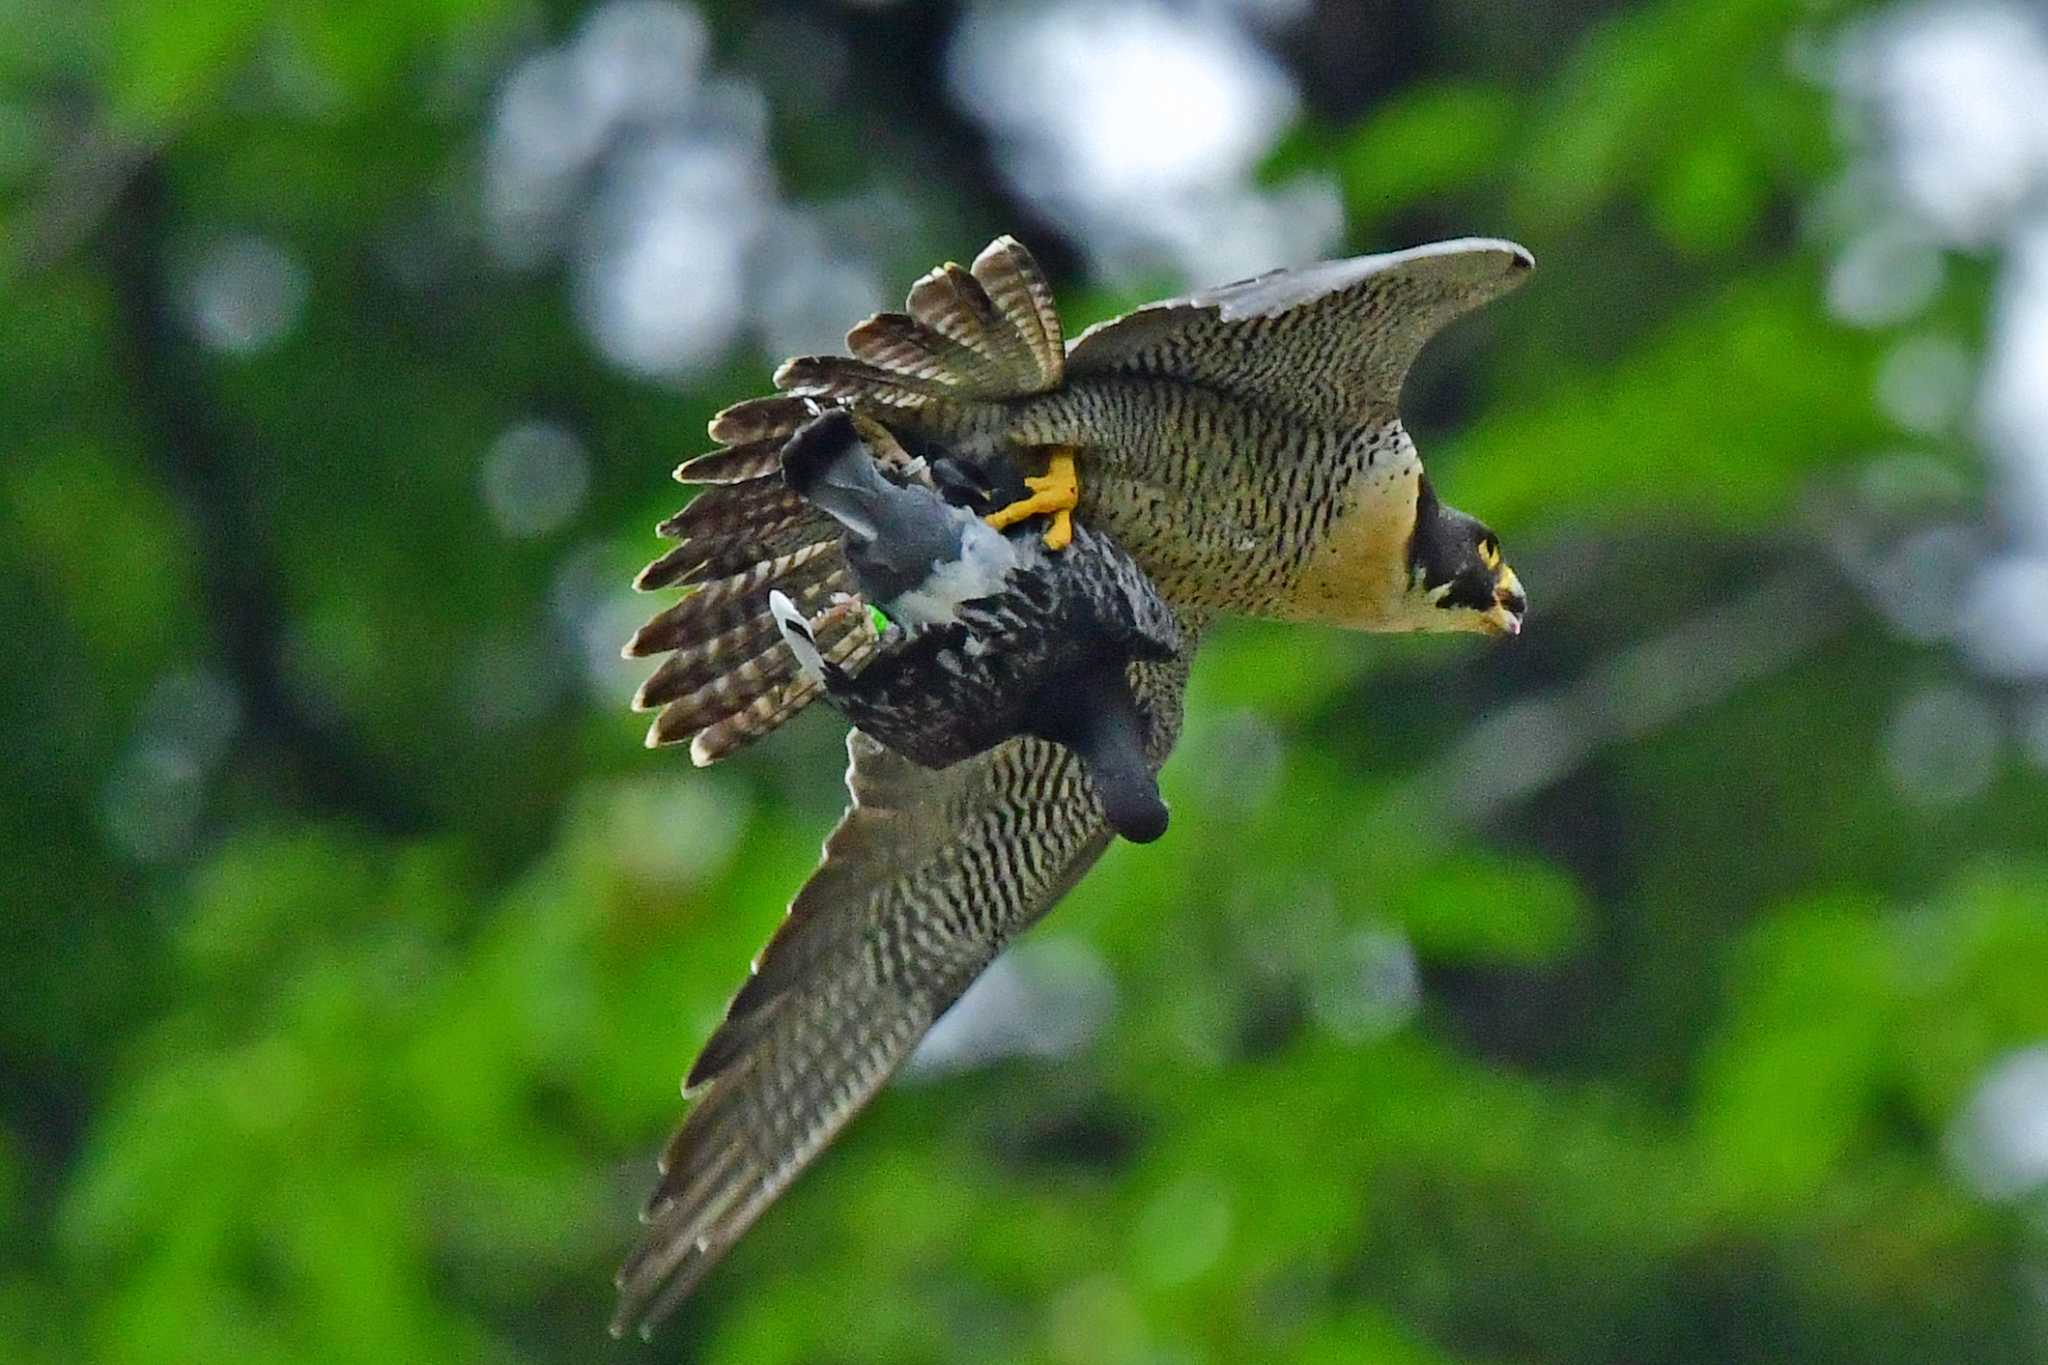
(1457, 579)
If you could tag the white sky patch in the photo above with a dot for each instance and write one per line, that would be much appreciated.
(1267, 14)
(547, 132)
(2015, 396)
(1131, 99)
(1921, 582)
(634, 62)
(1943, 748)
(622, 153)
(1041, 998)
(1884, 275)
(807, 290)
(2005, 617)
(1140, 126)
(662, 285)
(1925, 384)
(245, 294)
(1243, 232)
(1949, 102)
(640, 60)
(534, 477)
(1959, 90)
(2000, 1141)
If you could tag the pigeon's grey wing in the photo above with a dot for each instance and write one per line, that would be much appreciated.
(1331, 341)
(925, 879)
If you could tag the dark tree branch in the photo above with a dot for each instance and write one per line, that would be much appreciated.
(194, 445)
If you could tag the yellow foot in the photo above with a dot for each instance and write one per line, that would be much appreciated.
(1057, 492)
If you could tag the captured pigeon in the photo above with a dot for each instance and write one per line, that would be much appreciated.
(998, 636)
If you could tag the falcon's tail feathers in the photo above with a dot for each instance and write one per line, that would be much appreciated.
(728, 679)
(716, 684)
(987, 333)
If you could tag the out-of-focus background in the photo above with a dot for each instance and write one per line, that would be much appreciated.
(1669, 984)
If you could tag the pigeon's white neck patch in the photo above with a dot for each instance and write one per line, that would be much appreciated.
(986, 559)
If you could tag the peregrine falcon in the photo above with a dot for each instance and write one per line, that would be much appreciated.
(1242, 445)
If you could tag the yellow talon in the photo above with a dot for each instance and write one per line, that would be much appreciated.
(1057, 491)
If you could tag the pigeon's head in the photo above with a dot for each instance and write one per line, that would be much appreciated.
(1457, 578)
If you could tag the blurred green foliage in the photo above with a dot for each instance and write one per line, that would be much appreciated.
(1600, 997)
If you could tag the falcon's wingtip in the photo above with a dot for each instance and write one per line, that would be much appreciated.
(1519, 257)
(1518, 260)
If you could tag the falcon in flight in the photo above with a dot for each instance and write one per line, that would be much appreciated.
(1243, 445)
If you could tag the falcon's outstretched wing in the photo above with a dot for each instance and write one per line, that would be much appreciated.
(925, 879)
(1331, 341)
(981, 335)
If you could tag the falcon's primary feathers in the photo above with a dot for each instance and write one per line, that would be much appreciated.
(1241, 444)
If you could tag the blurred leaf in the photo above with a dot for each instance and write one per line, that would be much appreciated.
(165, 62)
(1716, 420)
(1425, 143)
(1795, 1076)
(1481, 906)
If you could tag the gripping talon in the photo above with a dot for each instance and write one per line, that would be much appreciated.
(1057, 492)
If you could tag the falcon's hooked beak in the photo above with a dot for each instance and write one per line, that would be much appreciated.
(1510, 603)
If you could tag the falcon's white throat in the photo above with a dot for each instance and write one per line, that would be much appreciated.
(1359, 575)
